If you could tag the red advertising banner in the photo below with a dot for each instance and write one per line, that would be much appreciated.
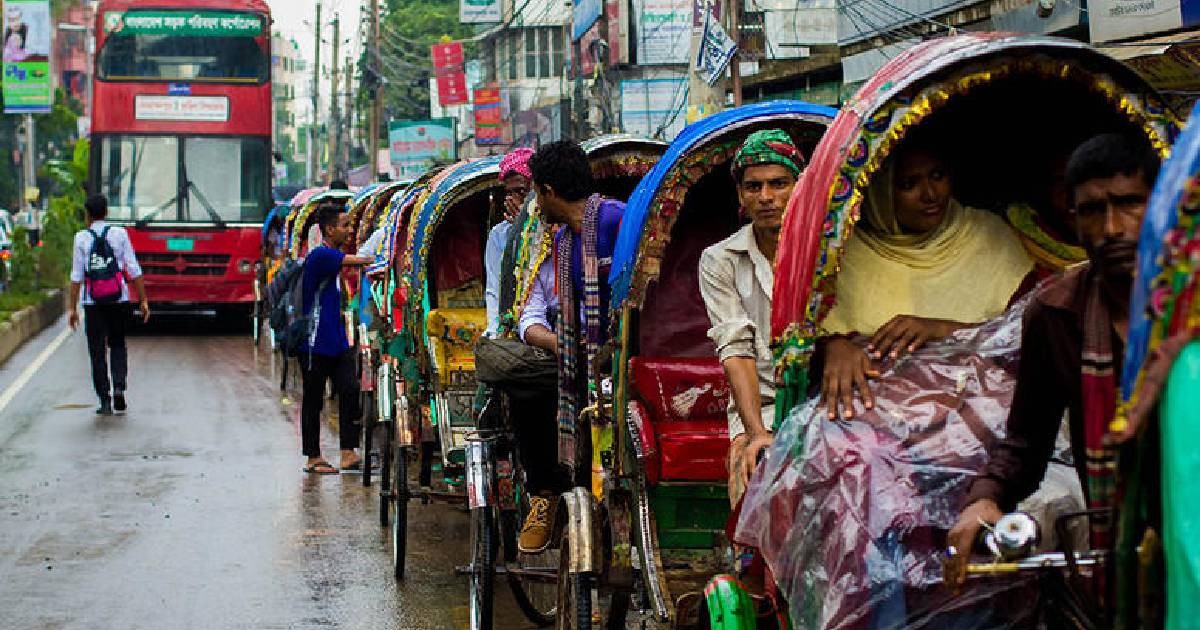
(452, 88)
(447, 56)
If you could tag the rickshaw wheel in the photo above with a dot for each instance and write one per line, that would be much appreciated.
(400, 520)
(483, 567)
(574, 591)
(385, 473)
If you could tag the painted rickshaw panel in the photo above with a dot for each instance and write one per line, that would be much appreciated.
(298, 233)
(633, 238)
(1163, 301)
(905, 91)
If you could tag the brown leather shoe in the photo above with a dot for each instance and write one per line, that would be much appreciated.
(535, 534)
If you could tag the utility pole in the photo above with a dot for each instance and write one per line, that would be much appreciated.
(376, 110)
(349, 126)
(735, 67)
(314, 154)
(335, 121)
(581, 105)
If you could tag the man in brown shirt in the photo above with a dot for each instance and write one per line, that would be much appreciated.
(1110, 178)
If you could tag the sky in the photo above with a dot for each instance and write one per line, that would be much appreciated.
(294, 18)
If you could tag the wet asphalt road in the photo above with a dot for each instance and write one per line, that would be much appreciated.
(191, 511)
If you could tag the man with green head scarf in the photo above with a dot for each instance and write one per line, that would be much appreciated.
(736, 279)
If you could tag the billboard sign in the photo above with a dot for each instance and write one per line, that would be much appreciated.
(664, 31)
(478, 11)
(1110, 20)
(584, 16)
(417, 144)
(654, 108)
(26, 58)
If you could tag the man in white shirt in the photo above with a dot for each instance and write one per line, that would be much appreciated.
(514, 173)
(105, 322)
(737, 277)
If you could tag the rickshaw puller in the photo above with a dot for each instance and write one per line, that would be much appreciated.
(577, 278)
(737, 277)
(1071, 344)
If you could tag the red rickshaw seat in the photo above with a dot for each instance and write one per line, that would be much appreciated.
(680, 407)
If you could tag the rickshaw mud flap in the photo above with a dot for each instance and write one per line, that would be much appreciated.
(385, 391)
(479, 473)
(580, 529)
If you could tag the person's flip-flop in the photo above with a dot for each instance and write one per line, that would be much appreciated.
(321, 468)
(357, 466)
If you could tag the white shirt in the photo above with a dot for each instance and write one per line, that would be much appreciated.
(122, 249)
(493, 254)
(371, 246)
(736, 282)
(542, 297)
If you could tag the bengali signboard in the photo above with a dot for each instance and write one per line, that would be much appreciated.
(654, 108)
(188, 108)
(448, 68)
(663, 31)
(478, 11)
(417, 144)
(489, 130)
(26, 58)
(1120, 19)
(192, 23)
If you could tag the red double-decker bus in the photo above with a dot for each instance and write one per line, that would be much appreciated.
(181, 142)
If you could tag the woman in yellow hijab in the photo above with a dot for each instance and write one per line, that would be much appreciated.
(918, 267)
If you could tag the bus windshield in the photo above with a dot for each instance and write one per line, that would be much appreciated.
(192, 179)
(162, 45)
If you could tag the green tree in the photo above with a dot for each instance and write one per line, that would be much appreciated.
(64, 216)
(403, 67)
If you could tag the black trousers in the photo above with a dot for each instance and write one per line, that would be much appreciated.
(535, 418)
(339, 369)
(104, 325)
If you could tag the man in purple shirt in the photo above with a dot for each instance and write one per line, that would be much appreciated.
(327, 355)
(562, 178)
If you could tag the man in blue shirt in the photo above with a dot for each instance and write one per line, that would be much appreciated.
(562, 178)
(326, 355)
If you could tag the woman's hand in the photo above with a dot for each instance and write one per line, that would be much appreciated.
(847, 368)
(907, 333)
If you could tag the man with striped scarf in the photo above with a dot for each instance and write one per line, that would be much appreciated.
(574, 282)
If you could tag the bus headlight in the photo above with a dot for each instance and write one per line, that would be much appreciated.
(244, 266)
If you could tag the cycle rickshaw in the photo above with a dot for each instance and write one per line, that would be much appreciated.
(647, 533)
(990, 88)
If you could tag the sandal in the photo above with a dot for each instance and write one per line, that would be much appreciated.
(357, 465)
(321, 468)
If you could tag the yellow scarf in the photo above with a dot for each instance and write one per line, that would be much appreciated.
(966, 270)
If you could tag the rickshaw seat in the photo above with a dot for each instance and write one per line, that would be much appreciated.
(453, 333)
(681, 408)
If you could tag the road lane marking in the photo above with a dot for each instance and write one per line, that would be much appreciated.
(32, 369)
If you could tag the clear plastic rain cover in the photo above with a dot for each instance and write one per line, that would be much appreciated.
(851, 516)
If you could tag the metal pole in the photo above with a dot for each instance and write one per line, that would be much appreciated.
(29, 163)
(375, 112)
(581, 107)
(335, 120)
(735, 70)
(349, 126)
(314, 161)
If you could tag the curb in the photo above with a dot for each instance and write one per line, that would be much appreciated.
(28, 323)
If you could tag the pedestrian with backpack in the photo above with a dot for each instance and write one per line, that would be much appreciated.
(323, 349)
(102, 264)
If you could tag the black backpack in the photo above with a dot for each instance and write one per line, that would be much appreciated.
(102, 274)
(285, 297)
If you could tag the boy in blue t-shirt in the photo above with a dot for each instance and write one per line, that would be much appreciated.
(328, 355)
